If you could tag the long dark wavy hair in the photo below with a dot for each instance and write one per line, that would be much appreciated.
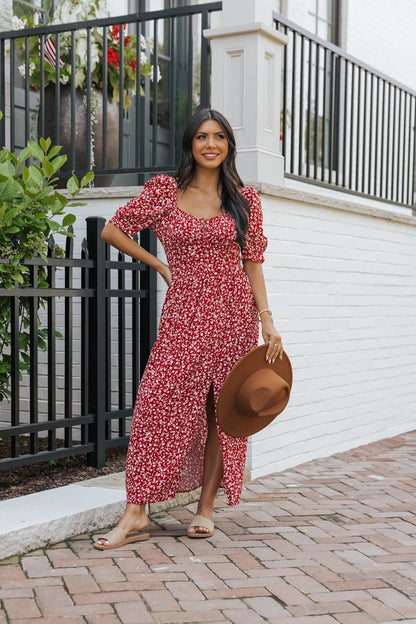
(231, 199)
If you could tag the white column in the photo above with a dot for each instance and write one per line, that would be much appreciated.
(246, 84)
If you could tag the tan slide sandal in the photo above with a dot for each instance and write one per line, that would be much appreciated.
(201, 521)
(118, 537)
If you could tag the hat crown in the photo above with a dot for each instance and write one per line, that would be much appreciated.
(263, 394)
(254, 393)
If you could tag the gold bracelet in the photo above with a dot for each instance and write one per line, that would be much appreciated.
(265, 310)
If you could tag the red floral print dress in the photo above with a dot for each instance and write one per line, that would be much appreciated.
(208, 322)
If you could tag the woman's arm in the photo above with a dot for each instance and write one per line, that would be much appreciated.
(270, 334)
(118, 239)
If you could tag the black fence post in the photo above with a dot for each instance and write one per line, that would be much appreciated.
(2, 93)
(96, 351)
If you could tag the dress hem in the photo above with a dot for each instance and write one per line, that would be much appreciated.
(154, 500)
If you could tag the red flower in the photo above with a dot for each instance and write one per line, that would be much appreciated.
(127, 40)
(133, 65)
(112, 57)
(115, 32)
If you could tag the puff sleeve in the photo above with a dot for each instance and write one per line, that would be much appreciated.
(146, 209)
(256, 242)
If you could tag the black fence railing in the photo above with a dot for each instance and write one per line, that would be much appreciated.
(343, 124)
(78, 393)
(138, 79)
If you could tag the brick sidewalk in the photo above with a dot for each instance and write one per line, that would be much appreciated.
(333, 540)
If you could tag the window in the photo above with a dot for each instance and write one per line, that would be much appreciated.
(154, 5)
(40, 8)
(323, 19)
(324, 23)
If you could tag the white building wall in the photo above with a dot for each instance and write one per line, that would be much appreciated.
(341, 280)
(342, 286)
(380, 33)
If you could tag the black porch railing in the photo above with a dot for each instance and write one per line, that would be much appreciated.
(343, 124)
(77, 396)
(133, 141)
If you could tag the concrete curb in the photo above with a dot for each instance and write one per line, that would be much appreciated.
(33, 521)
(36, 520)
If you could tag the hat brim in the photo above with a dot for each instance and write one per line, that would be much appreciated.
(231, 421)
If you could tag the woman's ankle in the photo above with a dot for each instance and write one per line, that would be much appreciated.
(205, 510)
(134, 516)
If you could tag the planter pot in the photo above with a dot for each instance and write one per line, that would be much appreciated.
(82, 146)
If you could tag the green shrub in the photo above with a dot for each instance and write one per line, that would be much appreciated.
(31, 209)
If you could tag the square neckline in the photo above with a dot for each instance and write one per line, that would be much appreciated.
(222, 214)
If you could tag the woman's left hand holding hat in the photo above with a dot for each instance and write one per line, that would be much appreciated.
(271, 336)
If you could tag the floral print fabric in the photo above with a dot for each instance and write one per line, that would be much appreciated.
(208, 322)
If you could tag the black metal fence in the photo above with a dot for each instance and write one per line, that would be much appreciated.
(157, 62)
(77, 396)
(343, 124)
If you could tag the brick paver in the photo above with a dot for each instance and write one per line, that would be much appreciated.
(330, 542)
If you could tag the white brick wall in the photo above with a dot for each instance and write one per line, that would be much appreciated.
(342, 286)
(342, 283)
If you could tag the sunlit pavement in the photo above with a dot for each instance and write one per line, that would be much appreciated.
(333, 540)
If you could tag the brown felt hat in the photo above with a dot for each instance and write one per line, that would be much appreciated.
(254, 393)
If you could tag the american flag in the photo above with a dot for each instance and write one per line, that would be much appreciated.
(49, 53)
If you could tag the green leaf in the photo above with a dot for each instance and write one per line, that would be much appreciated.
(58, 162)
(3, 209)
(7, 169)
(62, 199)
(19, 278)
(72, 185)
(24, 340)
(69, 219)
(36, 175)
(31, 193)
(23, 155)
(41, 344)
(25, 174)
(35, 150)
(87, 179)
(45, 144)
(48, 168)
(48, 200)
(54, 225)
(12, 229)
(54, 151)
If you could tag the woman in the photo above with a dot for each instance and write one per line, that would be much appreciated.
(211, 228)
